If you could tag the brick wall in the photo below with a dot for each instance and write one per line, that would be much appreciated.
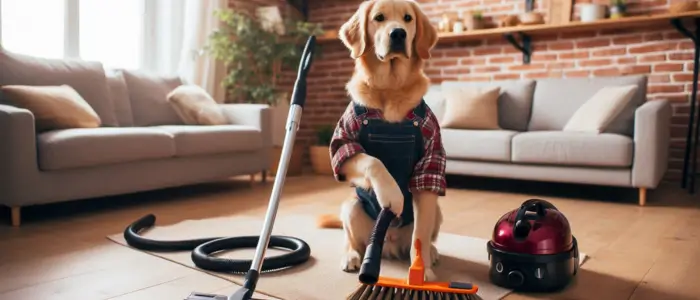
(662, 53)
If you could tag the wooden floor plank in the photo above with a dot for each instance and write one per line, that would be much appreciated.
(674, 274)
(104, 283)
(179, 288)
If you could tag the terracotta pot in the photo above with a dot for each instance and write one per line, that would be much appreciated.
(473, 23)
(279, 113)
(320, 160)
(295, 166)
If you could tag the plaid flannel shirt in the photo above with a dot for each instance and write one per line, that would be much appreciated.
(429, 171)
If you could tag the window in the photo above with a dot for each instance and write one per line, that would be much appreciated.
(32, 31)
(109, 31)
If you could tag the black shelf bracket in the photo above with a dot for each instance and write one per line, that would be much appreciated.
(529, 5)
(302, 6)
(691, 145)
(525, 48)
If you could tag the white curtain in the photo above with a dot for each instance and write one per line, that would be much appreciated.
(176, 33)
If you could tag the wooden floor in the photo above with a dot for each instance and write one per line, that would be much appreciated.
(61, 252)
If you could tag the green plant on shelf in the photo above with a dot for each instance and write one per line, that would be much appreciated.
(478, 15)
(324, 134)
(254, 56)
(619, 4)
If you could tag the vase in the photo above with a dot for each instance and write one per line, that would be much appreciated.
(445, 24)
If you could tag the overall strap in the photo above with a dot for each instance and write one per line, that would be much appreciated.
(359, 109)
(420, 110)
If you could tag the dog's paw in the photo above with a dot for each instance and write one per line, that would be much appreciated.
(351, 261)
(434, 255)
(388, 193)
(429, 275)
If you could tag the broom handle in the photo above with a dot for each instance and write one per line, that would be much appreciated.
(369, 270)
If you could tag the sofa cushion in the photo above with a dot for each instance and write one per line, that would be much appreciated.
(86, 77)
(148, 94)
(596, 113)
(573, 149)
(487, 145)
(119, 93)
(195, 106)
(53, 107)
(435, 100)
(81, 147)
(514, 102)
(471, 108)
(202, 140)
(557, 99)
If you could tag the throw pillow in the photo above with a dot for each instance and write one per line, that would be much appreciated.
(601, 109)
(195, 106)
(435, 100)
(53, 107)
(471, 108)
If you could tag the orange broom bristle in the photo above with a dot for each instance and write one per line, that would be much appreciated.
(416, 282)
(416, 276)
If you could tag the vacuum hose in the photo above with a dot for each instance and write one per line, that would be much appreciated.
(369, 270)
(203, 248)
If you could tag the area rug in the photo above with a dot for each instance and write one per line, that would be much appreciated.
(462, 258)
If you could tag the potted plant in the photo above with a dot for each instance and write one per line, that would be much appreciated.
(255, 54)
(617, 9)
(319, 152)
(474, 21)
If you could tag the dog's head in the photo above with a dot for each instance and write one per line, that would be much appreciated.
(394, 29)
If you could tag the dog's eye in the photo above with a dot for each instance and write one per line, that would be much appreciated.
(407, 18)
(379, 18)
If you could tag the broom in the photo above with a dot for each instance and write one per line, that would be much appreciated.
(375, 287)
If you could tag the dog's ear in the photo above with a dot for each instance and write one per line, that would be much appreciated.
(354, 32)
(426, 33)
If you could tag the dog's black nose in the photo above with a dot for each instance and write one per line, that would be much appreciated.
(397, 35)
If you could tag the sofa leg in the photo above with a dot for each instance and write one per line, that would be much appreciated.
(264, 176)
(16, 216)
(642, 196)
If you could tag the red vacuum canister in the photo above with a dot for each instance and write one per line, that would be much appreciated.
(532, 249)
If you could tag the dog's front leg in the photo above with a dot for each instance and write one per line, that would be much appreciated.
(368, 172)
(427, 222)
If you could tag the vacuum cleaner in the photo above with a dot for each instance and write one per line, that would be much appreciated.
(533, 249)
(203, 248)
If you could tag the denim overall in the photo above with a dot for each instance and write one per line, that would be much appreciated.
(399, 146)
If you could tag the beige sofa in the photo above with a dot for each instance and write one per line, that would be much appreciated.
(141, 145)
(633, 152)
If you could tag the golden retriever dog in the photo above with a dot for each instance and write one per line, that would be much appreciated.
(387, 144)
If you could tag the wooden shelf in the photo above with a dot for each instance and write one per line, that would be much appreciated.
(577, 26)
(525, 32)
(545, 29)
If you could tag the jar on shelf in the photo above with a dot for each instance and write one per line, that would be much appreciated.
(458, 26)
